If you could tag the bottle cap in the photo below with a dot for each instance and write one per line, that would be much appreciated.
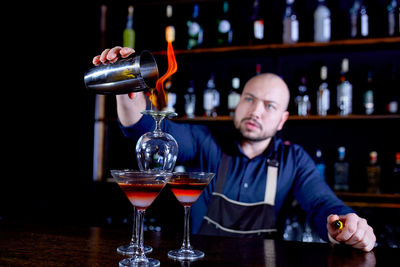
(236, 83)
(324, 73)
(345, 65)
(169, 11)
(398, 157)
(373, 156)
(342, 151)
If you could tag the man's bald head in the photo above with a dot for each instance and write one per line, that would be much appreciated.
(271, 81)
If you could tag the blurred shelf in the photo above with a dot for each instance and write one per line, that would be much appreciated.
(295, 117)
(384, 41)
(370, 200)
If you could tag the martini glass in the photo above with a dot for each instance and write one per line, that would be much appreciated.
(157, 150)
(141, 188)
(187, 187)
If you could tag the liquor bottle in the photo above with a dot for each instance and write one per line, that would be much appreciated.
(234, 96)
(258, 69)
(393, 14)
(129, 33)
(190, 100)
(344, 90)
(341, 171)
(320, 163)
(256, 24)
(392, 97)
(323, 93)
(354, 14)
(322, 22)
(395, 174)
(169, 28)
(363, 20)
(211, 98)
(302, 100)
(290, 24)
(373, 173)
(195, 30)
(224, 27)
(171, 95)
(369, 95)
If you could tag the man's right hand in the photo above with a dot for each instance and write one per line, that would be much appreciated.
(112, 55)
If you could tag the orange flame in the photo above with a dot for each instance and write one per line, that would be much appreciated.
(162, 98)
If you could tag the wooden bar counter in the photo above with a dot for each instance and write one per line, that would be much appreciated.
(50, 245)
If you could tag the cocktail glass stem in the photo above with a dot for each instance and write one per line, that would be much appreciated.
(186, 231)
(134, 229)
(158, 119)
(140, 252)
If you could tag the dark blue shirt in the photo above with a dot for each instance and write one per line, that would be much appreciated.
(201, 149)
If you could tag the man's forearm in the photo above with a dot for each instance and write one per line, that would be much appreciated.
(129, 109)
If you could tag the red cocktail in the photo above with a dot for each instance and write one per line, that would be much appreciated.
(187, 190)
(187, 187)
(141, 188)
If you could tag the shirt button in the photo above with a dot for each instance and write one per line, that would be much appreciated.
(246, 185)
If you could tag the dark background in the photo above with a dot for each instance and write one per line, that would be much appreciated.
(48, 113)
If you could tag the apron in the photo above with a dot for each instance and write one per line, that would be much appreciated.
(227, 217)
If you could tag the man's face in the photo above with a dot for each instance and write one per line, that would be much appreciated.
(261, 111)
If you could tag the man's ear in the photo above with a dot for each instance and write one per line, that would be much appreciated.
(285, 116)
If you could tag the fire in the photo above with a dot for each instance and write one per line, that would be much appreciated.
(160, 101)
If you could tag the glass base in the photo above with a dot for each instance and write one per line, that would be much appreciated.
(185, 254)
(129, 250)
(139, 262)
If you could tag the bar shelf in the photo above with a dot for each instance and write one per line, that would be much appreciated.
(295, 117)
(345, 43)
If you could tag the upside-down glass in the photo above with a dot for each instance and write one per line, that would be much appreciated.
(141, 188)
(187, 187)
(157, 150)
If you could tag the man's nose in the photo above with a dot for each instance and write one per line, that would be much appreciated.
(256, 109)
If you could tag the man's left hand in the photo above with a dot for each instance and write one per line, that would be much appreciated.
(355, 232)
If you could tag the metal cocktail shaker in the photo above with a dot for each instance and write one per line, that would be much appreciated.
(127, 75)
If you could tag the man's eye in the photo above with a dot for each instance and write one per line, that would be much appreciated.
(270, 106)
(248, 99)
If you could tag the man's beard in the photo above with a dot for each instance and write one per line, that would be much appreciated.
(245, 137)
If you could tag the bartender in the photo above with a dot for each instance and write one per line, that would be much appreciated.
(256, 171)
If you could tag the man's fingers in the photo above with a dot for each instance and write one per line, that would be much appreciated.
(96, 60)
(113, 53)
(103, 56)
(126, 52)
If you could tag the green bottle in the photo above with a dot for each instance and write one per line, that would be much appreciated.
(129, 32)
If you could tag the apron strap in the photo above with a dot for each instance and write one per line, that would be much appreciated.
(272, 181)
(222, 173)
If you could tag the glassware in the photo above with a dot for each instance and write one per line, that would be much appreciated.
(187, 187)
(141, 188)
(157, 150)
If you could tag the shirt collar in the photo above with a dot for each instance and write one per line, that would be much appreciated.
(268, 152)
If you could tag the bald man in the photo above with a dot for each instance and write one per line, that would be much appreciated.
(257, 174)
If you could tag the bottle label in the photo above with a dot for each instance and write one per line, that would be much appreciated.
(364, 25)
(194, 29)
(170, 33)
(391, 24)
(345, 98)
(208, 100)
(190, 104)
(233, 100)
(258, 28)
(224, 26)
(326, 33)
(295, 30)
